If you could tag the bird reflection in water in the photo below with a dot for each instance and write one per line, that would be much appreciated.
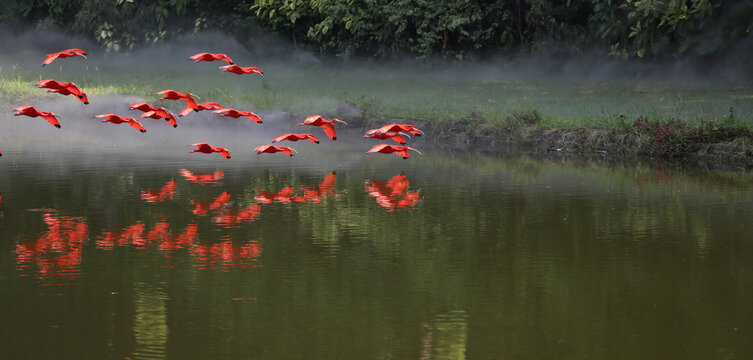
(203, 178)
(393, 193)
(57, 252)
(307, 194)
(226, 255)
(164, 193)
(203, 207)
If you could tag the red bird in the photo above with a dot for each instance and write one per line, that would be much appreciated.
(63, 54)
(115, 119)
(175, 95)
(397, 136)
(388, 149)
(398, 128)
(142, 106)
(237, 113)
(208, 149)
(161, 114)
(205, 56)
(63, 89)
(30, 111)
(235, 69)
(296, 137)
(200, 107)
(327, 125)
(273, 149)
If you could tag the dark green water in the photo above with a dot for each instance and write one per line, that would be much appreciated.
(108, 256)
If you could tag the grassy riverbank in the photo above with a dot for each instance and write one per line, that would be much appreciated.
(650, 117)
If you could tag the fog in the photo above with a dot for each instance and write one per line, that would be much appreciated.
(23, 54)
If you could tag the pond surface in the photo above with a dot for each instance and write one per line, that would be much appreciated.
(114, 255)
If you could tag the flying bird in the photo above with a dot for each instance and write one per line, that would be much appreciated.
(205, 56)
(142, 106)
(271, 149)
(63, 88)
(400, 127)
(208, 149)
(235, 69)
(397, 136)
(189, 98)
(388, 149)
(63, 54)
(200, 107)
(115, 119)
(161, 114)
(237, 113)
(327, 125)
(296, 137)
(30, 111)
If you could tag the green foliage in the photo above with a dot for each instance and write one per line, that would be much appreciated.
(424, 29)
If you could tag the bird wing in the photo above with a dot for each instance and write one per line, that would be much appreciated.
(252, 116)
(51, 118)
(311, 119)
(330, 130)
(225, 153)
(261, 149)
(377, 148)
(50, 58)
(197, 56)
(286, 150)
(23, 108)
(187, 110)
(136, 125)
(311, 137)
(399, 138)
(283, 137)
(171, 120)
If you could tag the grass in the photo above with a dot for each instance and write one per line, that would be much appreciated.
(471, 97)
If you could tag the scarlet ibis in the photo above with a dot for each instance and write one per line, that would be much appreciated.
(273, 149)
(63, 88)
(235, 69)
(296, 137)
(327, 125)
(161, 114)
(388, 149)
(237, 113)
(63, 54)
(200, 107)
(30, 111)
(205, 56)
(189, 98)
(400, 127)
(142, 106)
(115, 119)
(397, 136)
(208, 149)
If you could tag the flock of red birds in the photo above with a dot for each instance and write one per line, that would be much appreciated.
(396, 132)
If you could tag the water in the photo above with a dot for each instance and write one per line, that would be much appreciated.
(112, 255)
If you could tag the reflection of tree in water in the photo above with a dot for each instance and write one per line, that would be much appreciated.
(150, 322)
(446, 338)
